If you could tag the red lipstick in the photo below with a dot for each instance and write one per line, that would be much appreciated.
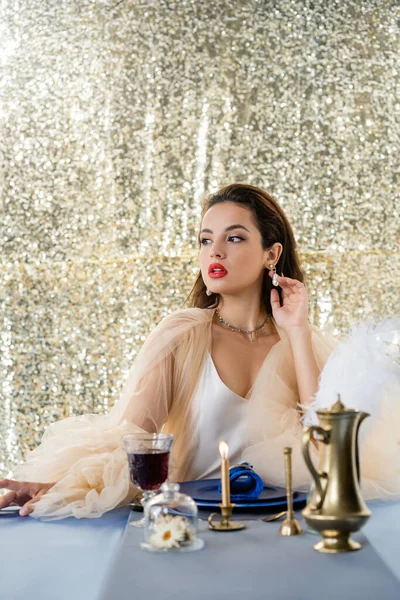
(215, 271)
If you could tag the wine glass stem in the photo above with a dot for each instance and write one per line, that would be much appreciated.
(147, 494)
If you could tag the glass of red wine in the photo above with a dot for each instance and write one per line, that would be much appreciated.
(148, 458)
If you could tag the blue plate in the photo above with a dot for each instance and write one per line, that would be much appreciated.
(205, 493)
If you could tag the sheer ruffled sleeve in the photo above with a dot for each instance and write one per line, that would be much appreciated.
(85, 455)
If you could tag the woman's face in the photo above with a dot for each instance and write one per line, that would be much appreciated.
(232, 258)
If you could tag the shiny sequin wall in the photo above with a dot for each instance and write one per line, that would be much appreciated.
(116, 117)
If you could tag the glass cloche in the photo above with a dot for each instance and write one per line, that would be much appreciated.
(170, 522)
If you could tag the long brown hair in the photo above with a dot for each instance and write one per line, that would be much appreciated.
(274, 227)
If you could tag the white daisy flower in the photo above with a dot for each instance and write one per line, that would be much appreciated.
(170, 531)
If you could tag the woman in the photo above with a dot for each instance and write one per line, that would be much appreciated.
(234, 366)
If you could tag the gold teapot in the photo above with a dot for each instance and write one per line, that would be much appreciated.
(336, 507)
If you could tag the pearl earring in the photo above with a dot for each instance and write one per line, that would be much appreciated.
(275, 276)
(208, 292)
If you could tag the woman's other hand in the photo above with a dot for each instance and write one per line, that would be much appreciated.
(22, 493)
(293, 313)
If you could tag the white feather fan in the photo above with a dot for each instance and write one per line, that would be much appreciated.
(363, 370)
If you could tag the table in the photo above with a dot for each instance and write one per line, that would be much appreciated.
(78, 559)
(58, 560)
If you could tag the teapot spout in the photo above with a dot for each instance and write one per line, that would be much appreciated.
(362, 416)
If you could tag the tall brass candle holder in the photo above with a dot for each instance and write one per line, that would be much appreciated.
(290, 525)
(224, 523)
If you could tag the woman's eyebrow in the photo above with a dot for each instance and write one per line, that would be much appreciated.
(237, 226)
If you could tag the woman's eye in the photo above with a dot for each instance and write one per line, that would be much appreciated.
(234, 238)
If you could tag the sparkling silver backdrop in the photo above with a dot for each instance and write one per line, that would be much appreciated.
(116, 117)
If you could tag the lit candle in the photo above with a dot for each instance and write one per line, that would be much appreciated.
(226, 492)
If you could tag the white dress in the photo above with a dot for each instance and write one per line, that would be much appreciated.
(222, 415)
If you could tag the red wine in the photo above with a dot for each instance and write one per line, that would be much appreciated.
(149, 470)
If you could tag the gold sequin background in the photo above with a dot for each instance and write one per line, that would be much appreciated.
(116, 117)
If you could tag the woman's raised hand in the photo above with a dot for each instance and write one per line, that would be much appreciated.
(294, 310)
(22, 493)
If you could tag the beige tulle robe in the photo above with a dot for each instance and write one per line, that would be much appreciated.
(86, 457)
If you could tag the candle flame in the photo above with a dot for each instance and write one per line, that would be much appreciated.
(223, 449)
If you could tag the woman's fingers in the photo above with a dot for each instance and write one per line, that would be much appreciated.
(7, 499)
(286, 281)
(28, 506)
(23, 493)
(289, 283)
(275, 302)
(7, 483)
(21, 487)
(15, 486)
(292, 289)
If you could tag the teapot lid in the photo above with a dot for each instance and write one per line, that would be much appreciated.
(337, 408)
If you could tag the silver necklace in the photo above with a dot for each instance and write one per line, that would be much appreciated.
(233, 328)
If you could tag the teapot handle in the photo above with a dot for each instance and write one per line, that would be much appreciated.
(322, 436)
(362, 416)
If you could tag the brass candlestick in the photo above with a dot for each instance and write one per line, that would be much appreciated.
(290, 525)
(224, 523)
